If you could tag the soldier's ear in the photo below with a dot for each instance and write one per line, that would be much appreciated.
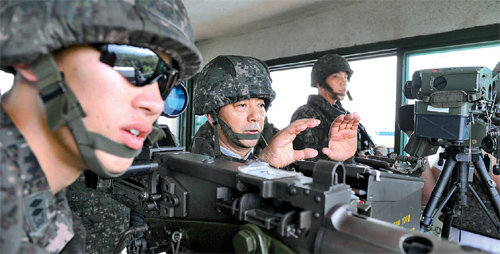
(210, 119)
(26, 72)
(320, 88)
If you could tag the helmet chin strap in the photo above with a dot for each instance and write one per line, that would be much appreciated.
(336, 96)
(63, 108)
(234, 137)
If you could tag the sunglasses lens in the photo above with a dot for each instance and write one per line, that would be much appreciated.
(134, 63)
(140, 66)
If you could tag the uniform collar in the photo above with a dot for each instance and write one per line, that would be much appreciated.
(229, 153)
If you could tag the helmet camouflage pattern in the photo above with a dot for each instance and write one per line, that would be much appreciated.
(228, 79)
(327, 65)
(29, 29)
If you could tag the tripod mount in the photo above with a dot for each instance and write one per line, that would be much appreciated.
(454, 182)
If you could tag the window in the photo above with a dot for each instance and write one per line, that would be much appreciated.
(6, 81)
(292, 88)
(372, 86)
(487, 55)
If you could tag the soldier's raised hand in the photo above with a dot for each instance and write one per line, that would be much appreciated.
(279, 153)
(343, 137)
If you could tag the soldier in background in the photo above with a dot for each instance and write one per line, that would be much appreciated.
(70, 109)
(234, 92)
(330, 75)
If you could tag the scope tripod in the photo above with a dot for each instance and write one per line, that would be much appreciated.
(456, 168)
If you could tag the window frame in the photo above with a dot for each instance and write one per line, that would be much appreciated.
(400, 47)
(457, 39)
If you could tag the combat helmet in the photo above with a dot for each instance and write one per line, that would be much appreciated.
(327, 65)
(228, 79)
(31, 30)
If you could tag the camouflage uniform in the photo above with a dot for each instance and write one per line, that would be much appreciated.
(318, 108)
(225, 80)
(203, 141)
(33, 220)
(103, 217)
(29, 32)
(316, 138)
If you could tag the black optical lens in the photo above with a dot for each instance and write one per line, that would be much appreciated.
(176, 101)
(140, 66)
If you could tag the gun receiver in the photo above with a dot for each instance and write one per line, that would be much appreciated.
(198, 203)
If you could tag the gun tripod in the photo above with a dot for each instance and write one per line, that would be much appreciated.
(456, 168)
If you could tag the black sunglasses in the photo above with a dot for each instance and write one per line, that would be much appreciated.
(140, 66)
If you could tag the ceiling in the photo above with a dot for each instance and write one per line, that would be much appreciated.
(213, 18)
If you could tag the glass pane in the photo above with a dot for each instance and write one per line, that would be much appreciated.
(292, 89)
(198, 122)
(373, 89)
(6, 81)
(173, 124)
(487, 56)
(372, 86)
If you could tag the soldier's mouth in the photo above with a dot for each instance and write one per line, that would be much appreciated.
(251, 132)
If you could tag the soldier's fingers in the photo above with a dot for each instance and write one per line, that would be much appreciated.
(327, 151)
(281, 139)
(337, 122)
(309, 122)
(300, 125)
(352, 120)
(305, 154)
(349, 121)
(356, 120)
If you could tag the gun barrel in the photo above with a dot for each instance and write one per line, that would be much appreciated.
(348, 233)
(140, 169)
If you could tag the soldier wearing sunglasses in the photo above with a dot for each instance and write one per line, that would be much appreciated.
(90, 80)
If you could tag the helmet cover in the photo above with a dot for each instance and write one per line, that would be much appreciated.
(31, 28)
(228, 79)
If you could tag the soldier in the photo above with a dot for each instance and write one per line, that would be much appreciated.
(330, 75)
(90, 79)
(234, 93)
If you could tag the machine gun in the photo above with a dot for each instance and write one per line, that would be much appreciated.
(197, 203)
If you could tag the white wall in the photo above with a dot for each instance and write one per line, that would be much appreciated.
(350, 23)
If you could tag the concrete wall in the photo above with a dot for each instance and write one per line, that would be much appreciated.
(350, 23)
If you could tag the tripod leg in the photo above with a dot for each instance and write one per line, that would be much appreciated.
(481, 203)
(490, 185)
(459, 198)
(448, 211)
(437, 192)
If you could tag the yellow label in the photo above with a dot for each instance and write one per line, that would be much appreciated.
(405, 220)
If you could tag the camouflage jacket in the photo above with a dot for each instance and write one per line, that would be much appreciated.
(104, 218)
(33, 220)
(316, 138)
(203, 141)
